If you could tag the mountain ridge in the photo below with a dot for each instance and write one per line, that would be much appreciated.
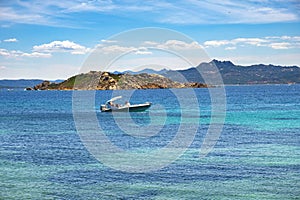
(238, 74)
(231, 74)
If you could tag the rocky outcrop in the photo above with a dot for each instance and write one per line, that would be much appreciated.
(195, 85)
(146, 81)
(108, 81)
(153, 86)
(42, 86)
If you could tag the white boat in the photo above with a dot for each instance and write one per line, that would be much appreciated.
(110, 106)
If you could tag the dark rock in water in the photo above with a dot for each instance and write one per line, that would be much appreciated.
(196, 85)
(29, 88)
(42, 86)
(153, 86)
(45, 85)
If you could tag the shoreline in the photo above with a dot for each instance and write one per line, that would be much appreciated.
(9, 89)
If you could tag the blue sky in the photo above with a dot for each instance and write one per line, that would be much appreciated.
(52, 39)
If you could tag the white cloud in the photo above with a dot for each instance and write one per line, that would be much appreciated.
(106, 6)
(173, 44)
(109, 41)
(17, 53)
(143, 52)
(62, 46)
(4, 52)
(274, 42)
(10, 40)
(251, 41)
(46, 50)
(216, 43)
(228, 12)
(11, 14)
(59, 13)
(2, 67)
(179, 45)
(230, 48)
(143, 48)
(150, 43)
(117, 48)
(123, 49)
(36, 55)
(280, 45)
(291, 38)
(267, 15)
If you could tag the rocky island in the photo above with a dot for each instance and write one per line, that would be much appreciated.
(95, 80)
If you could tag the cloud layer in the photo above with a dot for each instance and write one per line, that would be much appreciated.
(274, 42)
(17, 53)
(61, 13)
(46, 50)
(145, 47)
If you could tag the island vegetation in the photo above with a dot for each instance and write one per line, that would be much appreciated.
(97, 80)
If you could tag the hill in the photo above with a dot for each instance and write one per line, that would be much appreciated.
(109, 81)
(237, 74)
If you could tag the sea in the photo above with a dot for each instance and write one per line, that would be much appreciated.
(45, 152)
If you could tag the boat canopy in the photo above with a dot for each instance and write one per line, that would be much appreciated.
(113, 99)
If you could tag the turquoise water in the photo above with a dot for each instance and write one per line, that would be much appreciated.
(256, 157)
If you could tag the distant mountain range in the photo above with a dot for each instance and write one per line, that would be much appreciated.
(231, 74)
(237, 74)
(22, 83)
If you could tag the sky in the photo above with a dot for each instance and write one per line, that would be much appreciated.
(54, 39)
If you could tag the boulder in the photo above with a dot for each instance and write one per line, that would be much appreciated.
(42, 86)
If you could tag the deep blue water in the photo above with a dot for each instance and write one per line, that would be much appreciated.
(257, 155)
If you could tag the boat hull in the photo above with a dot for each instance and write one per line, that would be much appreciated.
(132, 108)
